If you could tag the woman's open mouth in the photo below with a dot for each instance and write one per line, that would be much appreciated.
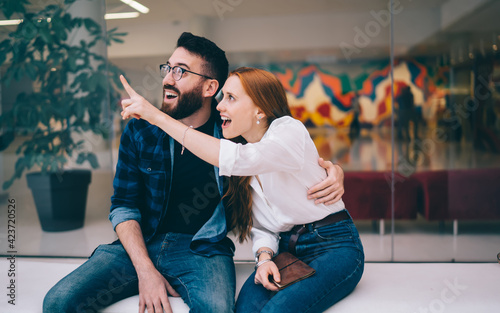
(226, 121)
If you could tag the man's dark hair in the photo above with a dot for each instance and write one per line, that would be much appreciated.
(216, 65)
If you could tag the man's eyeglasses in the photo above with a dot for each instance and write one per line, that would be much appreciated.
(177, 71)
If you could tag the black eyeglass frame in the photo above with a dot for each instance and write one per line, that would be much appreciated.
(183, 70)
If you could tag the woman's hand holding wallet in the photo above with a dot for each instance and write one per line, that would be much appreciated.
(262, 275)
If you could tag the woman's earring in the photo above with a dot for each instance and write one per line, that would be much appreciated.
(258, 121)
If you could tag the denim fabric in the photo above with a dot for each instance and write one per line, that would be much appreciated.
(206, 284)
(334, 251)
(142, 187)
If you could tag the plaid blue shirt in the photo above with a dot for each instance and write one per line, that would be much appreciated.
(142, 179)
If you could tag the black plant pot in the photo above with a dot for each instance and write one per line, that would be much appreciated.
(60, 198)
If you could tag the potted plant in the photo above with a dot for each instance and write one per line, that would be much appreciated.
(71, 88)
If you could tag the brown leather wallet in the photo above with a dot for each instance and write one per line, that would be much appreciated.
(291, 270)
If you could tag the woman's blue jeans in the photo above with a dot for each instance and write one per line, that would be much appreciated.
(334, 251)
(206, 284)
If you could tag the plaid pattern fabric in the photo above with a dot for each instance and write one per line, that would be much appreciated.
(142, 187)
(141, 176)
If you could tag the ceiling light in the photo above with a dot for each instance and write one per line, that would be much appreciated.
(10, 22)
(116, 16)
(136, 5)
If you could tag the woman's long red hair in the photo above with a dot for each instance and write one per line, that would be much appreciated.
(268, 94)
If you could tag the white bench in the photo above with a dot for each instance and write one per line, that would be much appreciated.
(385, 287)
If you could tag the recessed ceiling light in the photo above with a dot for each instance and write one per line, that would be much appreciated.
(136, 5)
(116, 16)
(10, 22)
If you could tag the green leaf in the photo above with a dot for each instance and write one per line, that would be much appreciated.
(6, 139)
(91, 25)
(3, 57)
(45, 35)
(112, 36)
(71, 63)
(93, 160)
(67, 21)
(46, 163)
(56, 57)
(41, 66)
(8, 78)
(19, 169)
(59, 29)
(45, 116)
(9, 7)
(92, 83)
(81, 158)
(30, 157)
(19, 73)
(6, 185)
(19, 52)
(62, 160)
(117, 40)
(39, 44)
(80, 109)
(6, 45)
(28, 30)
(30, 70)
(5, 49)
(77, 22)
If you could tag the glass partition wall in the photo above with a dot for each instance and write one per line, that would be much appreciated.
(404, 95)
(448, 137)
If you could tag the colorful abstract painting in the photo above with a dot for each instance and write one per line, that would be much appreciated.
(318, 97)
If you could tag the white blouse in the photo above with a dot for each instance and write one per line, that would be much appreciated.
(286, 162)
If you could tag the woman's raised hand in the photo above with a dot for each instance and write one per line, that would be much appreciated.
(136, 106)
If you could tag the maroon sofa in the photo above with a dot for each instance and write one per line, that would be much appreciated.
(459, 194)
(368, 195)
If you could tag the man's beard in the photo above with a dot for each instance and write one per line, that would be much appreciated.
(187, 103)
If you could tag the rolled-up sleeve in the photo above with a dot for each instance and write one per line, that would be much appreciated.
(123, 214)
(281, 149)
(262, 237)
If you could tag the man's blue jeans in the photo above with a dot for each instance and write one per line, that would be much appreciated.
(334, 251)
(206, 284)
